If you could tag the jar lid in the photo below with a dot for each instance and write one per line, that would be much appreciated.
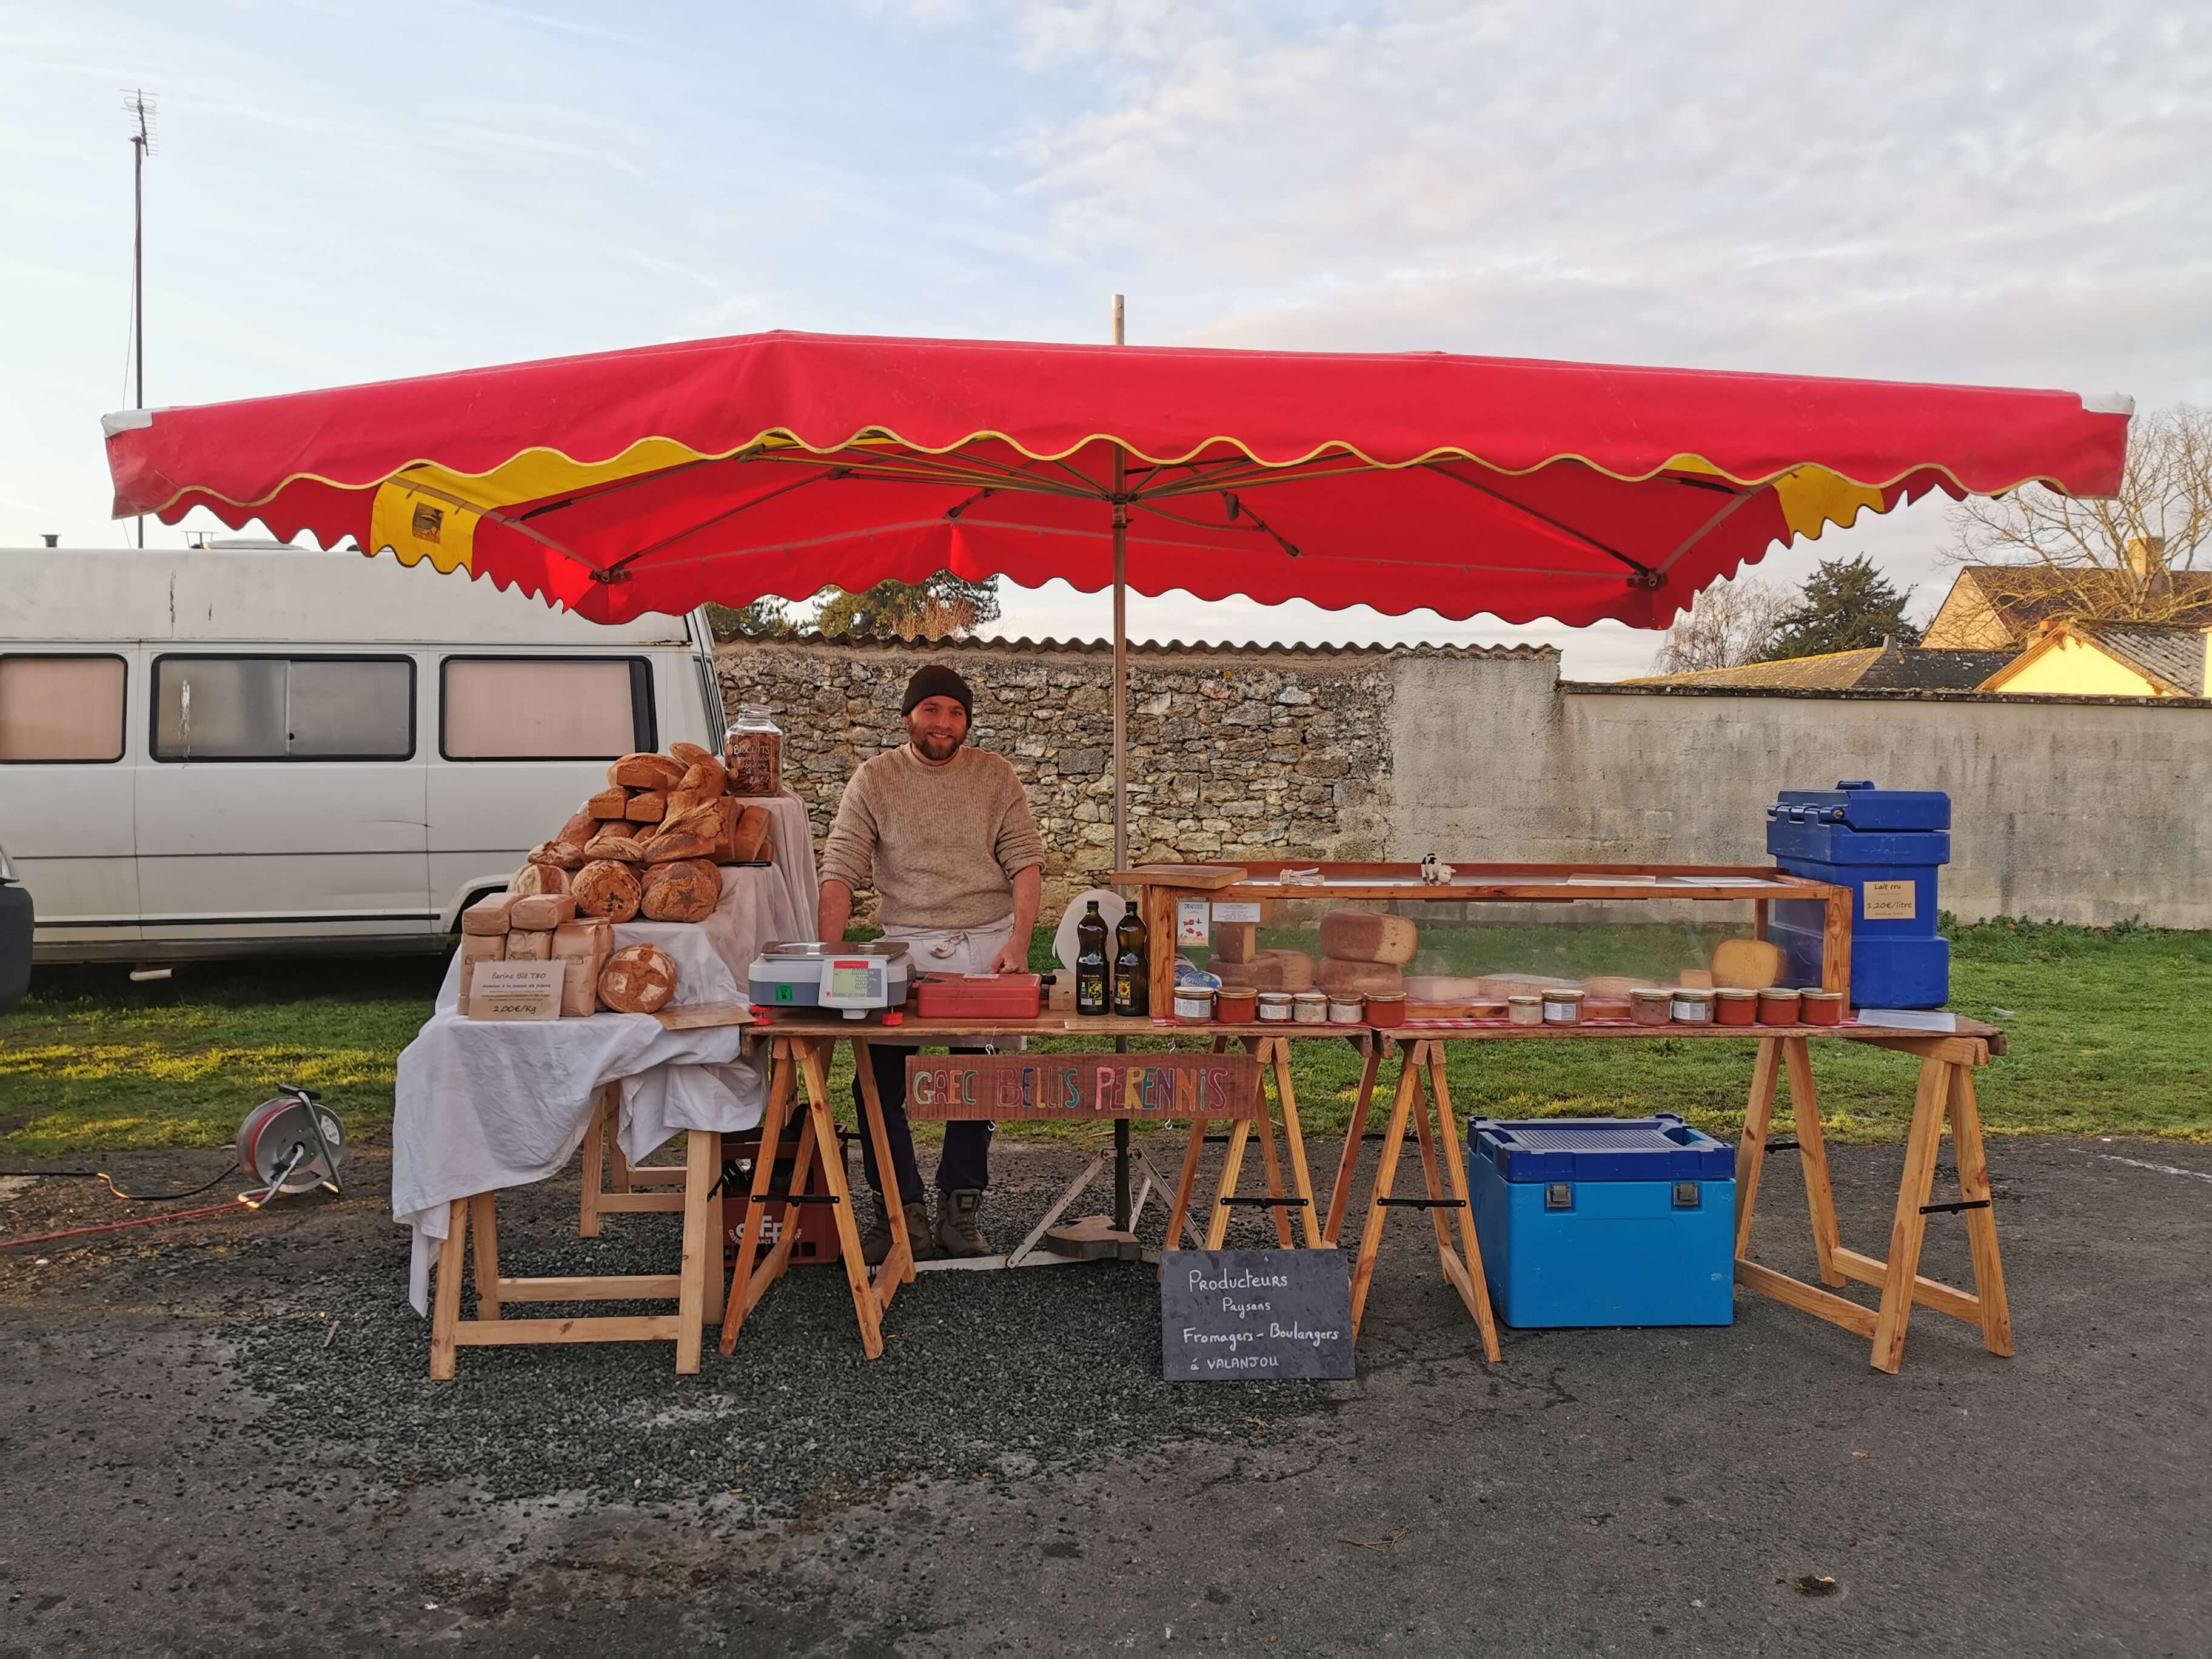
(1236, 992)
(1648, 993)
(1193, 994)
(1525, 1001)
(1562, 994)
(1732, 993)
(1276, 998)
(1350, 1000)
(1386, 996)
(1692, 994)
(1822, 996)
(1778, 992)
(1311, 997)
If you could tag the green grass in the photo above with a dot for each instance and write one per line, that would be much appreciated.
(2107, 1027)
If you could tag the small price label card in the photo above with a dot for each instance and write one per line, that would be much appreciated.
(516, 990)
(1191, 927)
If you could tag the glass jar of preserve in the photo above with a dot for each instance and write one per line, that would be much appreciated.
(752, 752)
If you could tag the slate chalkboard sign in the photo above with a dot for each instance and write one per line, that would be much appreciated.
(1255, 1315)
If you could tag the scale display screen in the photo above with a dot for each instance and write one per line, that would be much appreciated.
(850, 979)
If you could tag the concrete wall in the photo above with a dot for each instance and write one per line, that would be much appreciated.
(2083, 810)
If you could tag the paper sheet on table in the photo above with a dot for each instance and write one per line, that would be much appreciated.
(1909, 1019)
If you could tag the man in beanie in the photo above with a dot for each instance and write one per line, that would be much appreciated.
(943, 835)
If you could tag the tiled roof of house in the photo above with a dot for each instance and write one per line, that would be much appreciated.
(2171, 654)
(1893, 668)
(2021, 597)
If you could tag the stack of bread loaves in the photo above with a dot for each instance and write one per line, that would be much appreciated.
(637, 979)
(1239, 960)
(648, 844)
(1365, 953)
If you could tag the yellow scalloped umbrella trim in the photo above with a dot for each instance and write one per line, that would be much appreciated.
(1811, 497)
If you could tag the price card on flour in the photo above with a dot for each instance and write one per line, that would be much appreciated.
(515, 990)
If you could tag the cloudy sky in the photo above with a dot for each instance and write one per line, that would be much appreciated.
(2009, 193)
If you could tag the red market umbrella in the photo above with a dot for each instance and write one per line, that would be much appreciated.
(731, 469)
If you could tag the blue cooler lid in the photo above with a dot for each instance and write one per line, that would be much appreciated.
(1661, 1148)
(1858, 803)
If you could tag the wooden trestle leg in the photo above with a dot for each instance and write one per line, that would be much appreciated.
(1945, 1093)
(1420, 1078)
(1272, 1054)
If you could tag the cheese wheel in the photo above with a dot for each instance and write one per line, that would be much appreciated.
(579, 828)
(638, 979)
(705, 779)
(1367, 936)
(686, 890)
(645, 772)
(560, 854)
(540, 913)
(647, 806)
(487, 916)
(605, 889)
(607, 804)
(1341, 978)
(624, 849)
(533, 878)
(529, 947)
(689, 754)
(1746, 964)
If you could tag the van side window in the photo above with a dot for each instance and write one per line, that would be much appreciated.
(61, 708)
(279, 708)
(546, 709)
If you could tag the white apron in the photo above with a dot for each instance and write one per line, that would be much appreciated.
(950, 950)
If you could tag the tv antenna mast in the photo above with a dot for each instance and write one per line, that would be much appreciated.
(140, 108)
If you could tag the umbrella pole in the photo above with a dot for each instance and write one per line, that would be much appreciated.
(1121, 761)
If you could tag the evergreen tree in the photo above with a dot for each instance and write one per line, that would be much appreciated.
(1848, 606)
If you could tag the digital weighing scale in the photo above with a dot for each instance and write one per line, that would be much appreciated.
(851, 978)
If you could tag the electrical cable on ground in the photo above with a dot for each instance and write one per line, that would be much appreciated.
(103, 1175)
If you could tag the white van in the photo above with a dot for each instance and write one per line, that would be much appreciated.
(242, 751)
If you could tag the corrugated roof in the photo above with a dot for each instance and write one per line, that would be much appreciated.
(1833, 670)
(1876, 668)
(1155, 648)
(1914, 668)
(2172, 655)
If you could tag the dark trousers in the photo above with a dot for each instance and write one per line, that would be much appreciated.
(965, 1165)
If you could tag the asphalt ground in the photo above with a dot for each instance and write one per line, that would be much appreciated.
(220, 1436)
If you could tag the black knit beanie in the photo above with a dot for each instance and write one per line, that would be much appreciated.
(936, 680)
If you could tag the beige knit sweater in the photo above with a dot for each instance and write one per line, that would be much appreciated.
(941, 845)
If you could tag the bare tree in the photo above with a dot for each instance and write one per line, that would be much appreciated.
(1728, 625)
(2114, 559)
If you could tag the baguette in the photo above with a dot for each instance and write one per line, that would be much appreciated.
(749, 832)
(624, 849)
(689, 754)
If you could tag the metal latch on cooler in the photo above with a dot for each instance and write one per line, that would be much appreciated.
(1689, 1196)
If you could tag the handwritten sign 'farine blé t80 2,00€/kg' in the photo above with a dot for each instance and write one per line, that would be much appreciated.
(949, 1087)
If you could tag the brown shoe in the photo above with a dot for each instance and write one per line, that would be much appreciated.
(876, 1242)
(959, 1232)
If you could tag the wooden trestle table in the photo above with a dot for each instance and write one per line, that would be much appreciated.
(802, 1047)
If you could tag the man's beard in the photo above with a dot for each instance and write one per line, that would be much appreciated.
(935, 748)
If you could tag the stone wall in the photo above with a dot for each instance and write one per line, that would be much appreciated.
(2085, 810)
(1233, 753)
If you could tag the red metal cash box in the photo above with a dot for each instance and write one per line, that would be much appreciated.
(978, 996)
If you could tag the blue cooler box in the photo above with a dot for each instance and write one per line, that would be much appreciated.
(1885, 845)
(1604, 1221)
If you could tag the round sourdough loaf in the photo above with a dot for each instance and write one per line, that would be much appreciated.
(534, 878)
(686, 890)
(606, 890)
(638, 979)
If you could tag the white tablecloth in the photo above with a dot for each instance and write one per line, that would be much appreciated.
(481, 1105)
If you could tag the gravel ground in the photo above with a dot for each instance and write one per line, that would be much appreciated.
(220, 1436)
